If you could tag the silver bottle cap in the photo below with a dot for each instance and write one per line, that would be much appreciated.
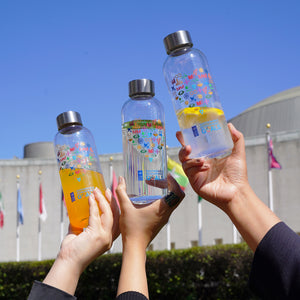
(141, 87)
(68, 118)
(176, 40)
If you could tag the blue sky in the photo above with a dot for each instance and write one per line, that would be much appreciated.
(80, 55)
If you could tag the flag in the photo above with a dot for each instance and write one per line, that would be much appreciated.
(1, 211)
(42, 207)
(273, 163)
(20, 208)
(175, 169)
(114, 184)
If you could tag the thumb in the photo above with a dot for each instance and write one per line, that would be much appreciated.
(238, 140)
(123, 198)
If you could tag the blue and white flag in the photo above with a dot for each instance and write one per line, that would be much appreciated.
(20, 208)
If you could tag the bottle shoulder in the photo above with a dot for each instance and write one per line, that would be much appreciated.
(146, 109)
(182, 57)
(142, 104)
(75, 130)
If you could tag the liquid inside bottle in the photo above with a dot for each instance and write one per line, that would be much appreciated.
(144, 159)
(205, 130)
(79, 167)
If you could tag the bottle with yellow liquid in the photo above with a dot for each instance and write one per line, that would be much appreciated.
(79, 167)
(195, 99)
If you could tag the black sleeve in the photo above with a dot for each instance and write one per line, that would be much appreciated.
(44, 291)
(275, 272)
(131, 296)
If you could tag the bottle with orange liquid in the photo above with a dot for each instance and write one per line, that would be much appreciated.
(195, 99)
(79, 167)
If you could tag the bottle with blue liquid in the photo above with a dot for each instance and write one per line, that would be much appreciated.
(144, 143)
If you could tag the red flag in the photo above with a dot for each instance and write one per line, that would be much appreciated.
(1, 219)
(42, 207)
(1, 211)
(114, 185)
(273, 163)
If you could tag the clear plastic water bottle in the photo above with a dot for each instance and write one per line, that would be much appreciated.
(79, 167)
(195, 98)
(144, 143)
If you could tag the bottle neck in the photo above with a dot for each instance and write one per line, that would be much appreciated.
(180, 51)
(141, 97)
(71, 128)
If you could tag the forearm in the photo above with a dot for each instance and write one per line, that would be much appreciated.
(251, 216)
(133, 271)
(64, 276)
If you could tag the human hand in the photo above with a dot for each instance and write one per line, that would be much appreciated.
(139, 224)
(77, 251)
(217, 180)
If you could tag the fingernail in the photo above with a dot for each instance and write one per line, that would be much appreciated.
(97, 190)
(120, 179)
(108, 191)
(92, 196)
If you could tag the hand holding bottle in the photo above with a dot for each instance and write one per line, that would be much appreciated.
(78, 251)
(216, 180)
(139, 224)
(224, 182)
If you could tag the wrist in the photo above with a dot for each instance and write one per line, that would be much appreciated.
(136, 244)
(64, 275)
(250, 215)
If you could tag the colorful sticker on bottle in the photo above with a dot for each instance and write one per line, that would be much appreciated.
(85, 192)
(146, 136)
(210, 126)
(194, 89)
(140, 175)
(80, 156)
(154, 174)
(150, 175)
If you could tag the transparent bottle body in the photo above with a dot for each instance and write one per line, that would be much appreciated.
(196, 103)
(80, 172)
(144, 149)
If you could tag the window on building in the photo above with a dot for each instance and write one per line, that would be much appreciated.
(219, 241)
(172, 245)
(194, 243)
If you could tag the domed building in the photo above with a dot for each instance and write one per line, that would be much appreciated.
(280, 110)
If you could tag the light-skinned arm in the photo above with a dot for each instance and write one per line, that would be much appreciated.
(78, 251)
(139, 224)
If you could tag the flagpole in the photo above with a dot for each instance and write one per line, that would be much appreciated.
(199, 221)
(111, 170)
(39, 223)
(18, 225)
(270, 179)
(168, 236)
(111, 184)
(234, 234)
(62, 217)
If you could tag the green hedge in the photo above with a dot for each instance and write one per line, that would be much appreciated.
(217, 272)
